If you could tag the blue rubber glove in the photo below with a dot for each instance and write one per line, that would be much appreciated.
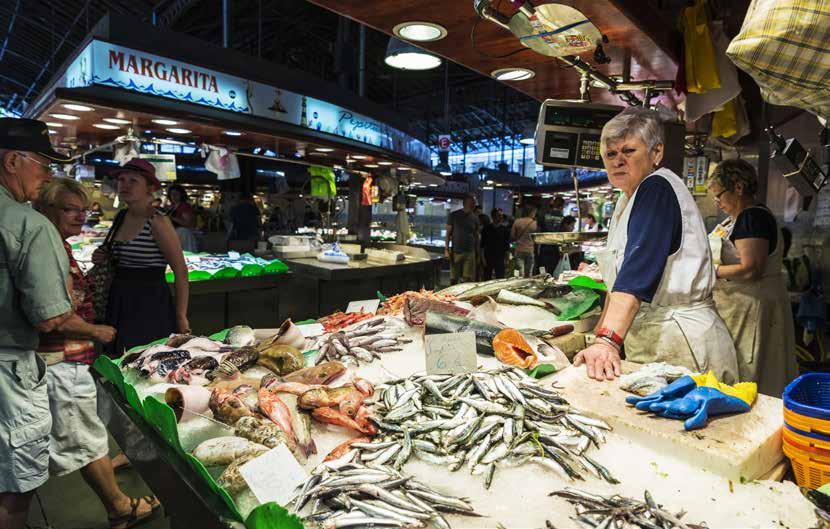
(698, 405)
(675, 390)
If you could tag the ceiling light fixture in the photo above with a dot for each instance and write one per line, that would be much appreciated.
(318, 154)
(175, 130)
(105, 126)
(386, 163)
(79, 108)
(66, 117)
(405, 56)
(52, 131)
(402, 168)
(371, 165)
(232, 133)
(165, 122)
(117, 121)
(420, 31)
(528, 141)
(323, 149)
(54, 124)
(358, 157)
(513, 74)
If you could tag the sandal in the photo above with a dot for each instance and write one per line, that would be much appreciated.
(132, 518)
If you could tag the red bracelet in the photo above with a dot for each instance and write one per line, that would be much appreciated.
(604, 332)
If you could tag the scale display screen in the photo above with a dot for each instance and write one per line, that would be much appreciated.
(568, 133)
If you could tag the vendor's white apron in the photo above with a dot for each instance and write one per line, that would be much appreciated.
(680, 325)
(758, 316)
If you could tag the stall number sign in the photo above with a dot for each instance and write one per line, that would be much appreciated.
(450, 354)
(274, 476)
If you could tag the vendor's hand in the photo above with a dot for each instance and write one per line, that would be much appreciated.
(103, 333)
(601, 360)
(99, 256)
(182, 324)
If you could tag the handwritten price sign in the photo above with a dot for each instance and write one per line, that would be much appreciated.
(450, 353)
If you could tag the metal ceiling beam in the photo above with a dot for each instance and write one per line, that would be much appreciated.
(52, 57)
(9, 30)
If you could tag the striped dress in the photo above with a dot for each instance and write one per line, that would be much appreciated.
(140, 304)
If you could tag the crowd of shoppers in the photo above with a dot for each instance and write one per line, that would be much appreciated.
(49, 417)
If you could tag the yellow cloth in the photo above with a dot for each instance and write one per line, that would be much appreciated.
(725, 121)
(701, 63)
(746, 391)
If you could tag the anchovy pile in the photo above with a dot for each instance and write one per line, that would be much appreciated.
(593, 510)
(346, 494)
(363, 343)
(485, 418)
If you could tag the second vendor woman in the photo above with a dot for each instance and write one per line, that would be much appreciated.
(751, 292)
(657, 264)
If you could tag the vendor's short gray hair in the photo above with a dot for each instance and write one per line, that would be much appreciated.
(634, 121)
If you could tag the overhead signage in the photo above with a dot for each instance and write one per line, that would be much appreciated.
(165, 165)
(444, 142)
(107, 64)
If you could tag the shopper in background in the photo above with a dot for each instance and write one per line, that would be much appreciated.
(495, 243)
(182, 216)
(751, 289)
(93, 216)
(463, 232)
(590, 224)
(245, 220)
(568, 223)
(521, 235)
(78, 439)
(140, 306)
(34, 297)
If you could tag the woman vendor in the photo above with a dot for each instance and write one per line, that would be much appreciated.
(657, 264)
(751, 292)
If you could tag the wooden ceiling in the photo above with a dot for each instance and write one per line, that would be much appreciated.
(632, 27)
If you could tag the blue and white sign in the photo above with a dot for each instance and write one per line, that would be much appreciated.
(108, 64)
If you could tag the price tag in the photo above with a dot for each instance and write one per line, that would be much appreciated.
(233, 255)
(311, 330)
(542, 270)
(274, 476)
(450, 353)
(515, 273)
(367, 305)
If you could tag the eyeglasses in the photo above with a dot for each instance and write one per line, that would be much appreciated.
(48, 166)
(718, 195)
(72, 210)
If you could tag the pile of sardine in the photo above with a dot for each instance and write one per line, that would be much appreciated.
(487, 418)
(593, 510)
(362, 343)
(355, 495)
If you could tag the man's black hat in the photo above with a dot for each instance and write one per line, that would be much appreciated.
(28, 135)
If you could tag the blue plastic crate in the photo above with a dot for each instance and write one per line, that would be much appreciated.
(809, 395)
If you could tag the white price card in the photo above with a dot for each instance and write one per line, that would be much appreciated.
(366, 305)
(233, 255)
(274, 476)
(312, 330)
(450, 353)
(542, 270)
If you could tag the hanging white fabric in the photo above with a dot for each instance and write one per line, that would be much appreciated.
(221, 162)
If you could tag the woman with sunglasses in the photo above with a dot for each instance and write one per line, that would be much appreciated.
(656, 265)
(751, 291)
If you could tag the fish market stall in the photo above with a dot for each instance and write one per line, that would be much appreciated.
(324, 287)
(522, 440)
